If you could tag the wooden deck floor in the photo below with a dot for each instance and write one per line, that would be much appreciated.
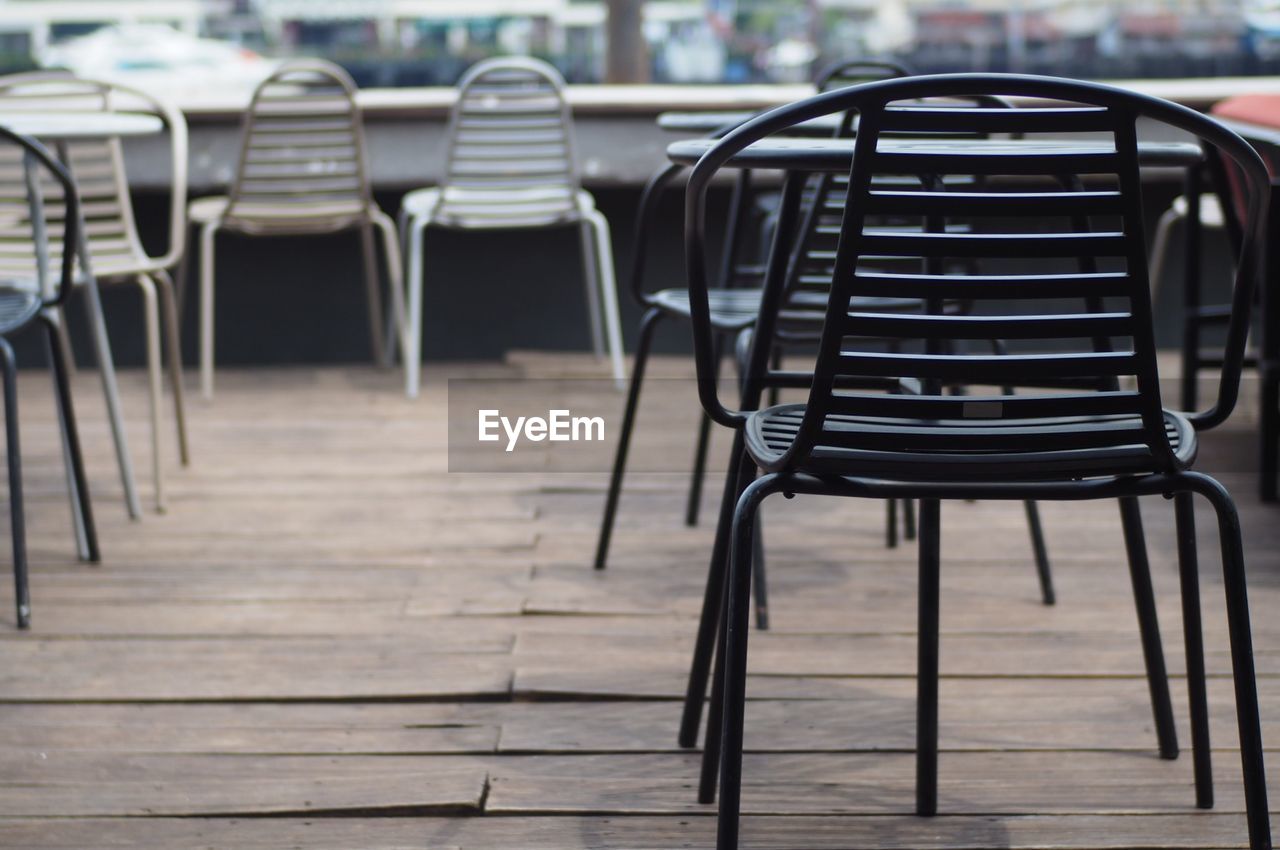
(330, 642)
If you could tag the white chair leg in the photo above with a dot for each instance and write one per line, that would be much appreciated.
(173, 350)
(413, 319)
(111, 392)
(395, 283)
(207, 232)
(1160, 247)
(609, 294)
(591, 277)
(155, 386)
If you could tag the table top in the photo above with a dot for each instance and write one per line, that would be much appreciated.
(837, 154)
(701, 123)
(65, 126)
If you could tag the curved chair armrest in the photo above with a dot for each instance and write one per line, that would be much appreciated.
(646, 220)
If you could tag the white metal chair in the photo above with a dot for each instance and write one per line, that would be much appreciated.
(302, 171)
(510, 165)
(114, 245)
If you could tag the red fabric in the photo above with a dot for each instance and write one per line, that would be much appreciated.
(1260, 109)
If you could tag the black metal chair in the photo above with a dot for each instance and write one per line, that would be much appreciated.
(35, 192)
(735, 305)
(1090, 439)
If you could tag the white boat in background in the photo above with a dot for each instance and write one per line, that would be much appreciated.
(161, 59)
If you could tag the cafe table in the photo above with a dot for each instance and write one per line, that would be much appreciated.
(60, 130)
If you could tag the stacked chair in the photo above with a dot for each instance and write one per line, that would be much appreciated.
(735, 307)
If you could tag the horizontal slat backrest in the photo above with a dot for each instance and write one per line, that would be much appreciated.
(981, 205)
(302, 149)
(510, 159)
(811, 269)
(98, 167)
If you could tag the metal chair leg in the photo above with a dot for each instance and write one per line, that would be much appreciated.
(699, 472)
(1242, 668)
(111, 393)
(414, 234)
(1269, 433)
(64, 341)
(173, 350)
(759, 577)
(81, 507)
(608, 293)
(930, 555)
(909, 519)
(17, 516)
(373, 292)
(1041, 552)
(591, 281)
(647, 326)
(736, 633)
(207, 233)
(1188, 571)
(395, 330)
(712, 599)
(155, 383)
(891, 524)
(1152, 649)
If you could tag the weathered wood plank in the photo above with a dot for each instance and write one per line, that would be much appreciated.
(884, 832)
(249, 728)
(879, 714)
(1115, 783)
(246, 668)
(86, 785)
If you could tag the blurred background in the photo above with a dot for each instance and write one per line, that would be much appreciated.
(177, 45)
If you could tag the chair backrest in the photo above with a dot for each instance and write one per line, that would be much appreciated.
(510, 158)
(814, 248)
(1064, 244)
(302, 153)
(98, 165)
(851, 72)
(39, 208)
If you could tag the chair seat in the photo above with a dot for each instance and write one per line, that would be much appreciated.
(501, 209)
(19, 304)
(282, 218)
(731, 309)
(770, 432)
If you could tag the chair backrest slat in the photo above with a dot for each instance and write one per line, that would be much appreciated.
(302, 158)
(510, 158)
